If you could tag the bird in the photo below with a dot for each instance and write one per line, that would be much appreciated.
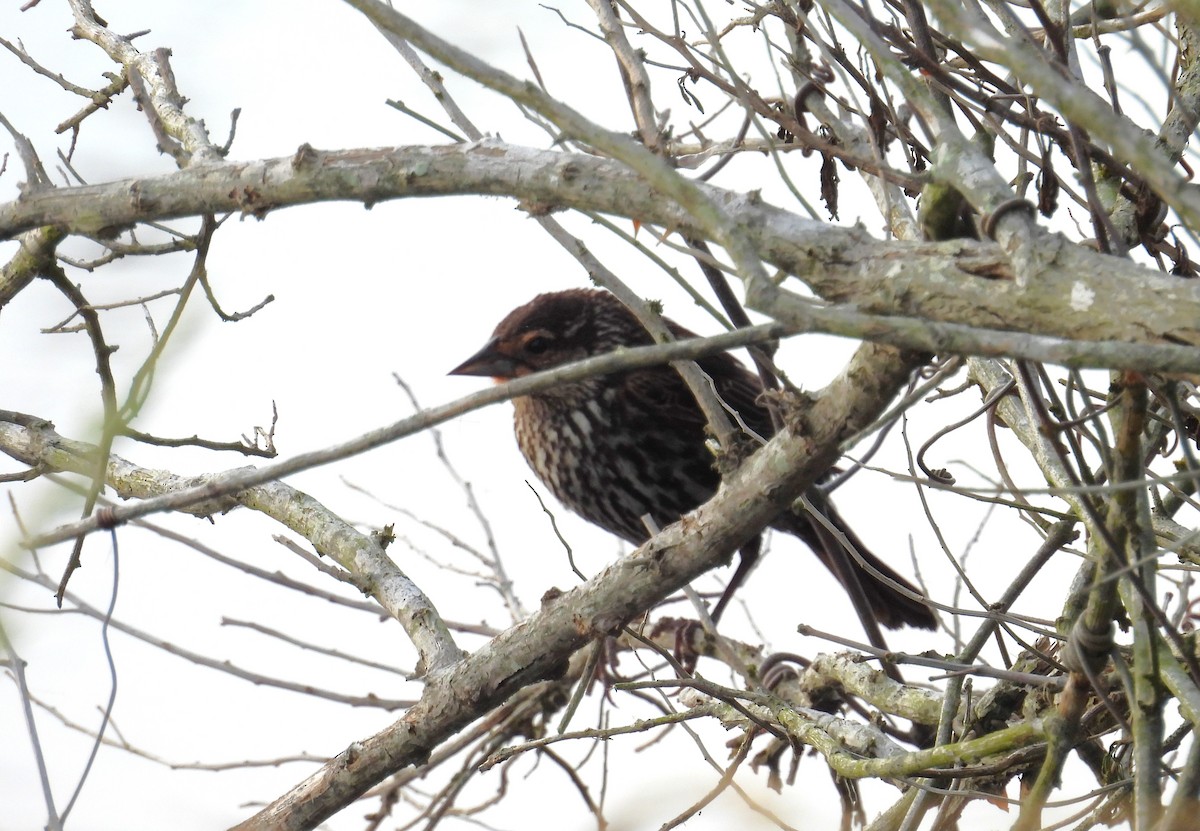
(615, 448)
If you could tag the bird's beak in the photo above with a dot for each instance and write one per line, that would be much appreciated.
(488, 361)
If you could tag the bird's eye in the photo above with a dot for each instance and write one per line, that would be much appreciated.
(537, 345)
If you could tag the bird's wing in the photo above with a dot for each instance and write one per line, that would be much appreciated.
(737, 386)
(740, 389)
(664, 393)
(663, 396)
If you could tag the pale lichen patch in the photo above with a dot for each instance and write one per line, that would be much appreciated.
(1082, 297)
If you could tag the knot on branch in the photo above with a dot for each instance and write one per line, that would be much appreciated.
(990, 221)
(793, 407)
(735, 449)
(1087, 649)
(106, 518)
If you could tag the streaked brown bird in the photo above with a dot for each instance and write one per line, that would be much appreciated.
(617, 447)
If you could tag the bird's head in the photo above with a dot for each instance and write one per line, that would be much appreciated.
(554, 329)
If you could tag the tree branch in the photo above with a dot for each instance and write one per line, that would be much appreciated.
(766, 483)
(960, 282)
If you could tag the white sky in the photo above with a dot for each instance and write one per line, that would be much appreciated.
(410, 287)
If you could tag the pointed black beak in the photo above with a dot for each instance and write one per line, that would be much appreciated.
(487, 362)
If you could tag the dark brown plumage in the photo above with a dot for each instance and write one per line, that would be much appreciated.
(617, 447)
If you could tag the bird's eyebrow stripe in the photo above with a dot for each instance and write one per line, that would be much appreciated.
(529, 334)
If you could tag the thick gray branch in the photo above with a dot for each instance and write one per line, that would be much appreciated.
(36, 443)
(763, 486)
(961, 282)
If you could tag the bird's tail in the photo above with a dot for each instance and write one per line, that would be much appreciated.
(890, 600)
